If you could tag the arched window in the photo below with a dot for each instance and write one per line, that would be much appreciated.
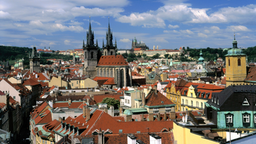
(111, 53)
(239, 62)
(228, 62)
(91, 54)
(105, 53)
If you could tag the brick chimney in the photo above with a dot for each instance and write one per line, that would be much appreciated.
(143, 99)
(151, 117)
(88, 115)
(158, 116)
(128, 118)
(120, 111)
(165, 116)
(69, 101)
(84, 111)
(172, 115)
(142, 117)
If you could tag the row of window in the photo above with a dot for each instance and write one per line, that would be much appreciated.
(238, 62)
(191, 103)
(245, 116)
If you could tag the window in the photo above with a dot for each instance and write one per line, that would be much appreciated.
(229, 119)
(239, 62)
(182, 101)
(186, 102)
(215, 100)
(202, 104)
(191, 94)
(197, 104)
(218, 101)
(228, 62)
(212, 99)
(191, 103)
(246, 102)
(246, 119)
(77, 82)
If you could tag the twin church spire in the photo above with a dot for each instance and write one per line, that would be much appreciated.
(108, 49)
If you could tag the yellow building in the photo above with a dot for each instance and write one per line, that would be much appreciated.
(58, 81)
(174, 96)
(235, 66)
(184, 135)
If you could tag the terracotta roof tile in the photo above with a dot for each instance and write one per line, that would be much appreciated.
(113, 60)
(157, 99)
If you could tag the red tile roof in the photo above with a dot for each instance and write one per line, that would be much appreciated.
(157, 99)
(2, 105)
(137, 49)
(99, 98)
(112, 60)
(31, 82)
(105, 81)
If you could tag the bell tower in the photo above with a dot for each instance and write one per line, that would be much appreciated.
(109, 48)
(34, 61)
(91, 54)
(235, 65)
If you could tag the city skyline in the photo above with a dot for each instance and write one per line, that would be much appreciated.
(169, 24)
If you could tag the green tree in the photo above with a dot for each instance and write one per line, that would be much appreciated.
(156, 56)
(166, 55)
(138, 56)
(125, 55)
(111, 102)
(144, 55)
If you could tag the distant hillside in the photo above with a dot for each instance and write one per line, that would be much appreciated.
(13, 53)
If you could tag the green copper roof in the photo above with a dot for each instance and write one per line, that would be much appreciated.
(234, 52)
(128, 112)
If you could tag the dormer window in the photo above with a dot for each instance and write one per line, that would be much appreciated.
(246, 102)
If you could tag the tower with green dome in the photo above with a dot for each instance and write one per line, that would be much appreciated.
(235, 65)
(201, 59)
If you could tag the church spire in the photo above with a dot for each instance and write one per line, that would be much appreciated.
(109, 36)
(90, 35)
(96, 43)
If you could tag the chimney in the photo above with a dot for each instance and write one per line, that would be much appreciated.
(88, 115)
(143, 99)
(128, 118)
(88, 101)
(151, 117)
(69, 101)
(120, 111)
(84, 111)
(60, 119)
(172, 115)
(111, 111)
(106, 110)
(158, 116)
(101, 138)
(165, 116)
(142, 117)
(131, 139)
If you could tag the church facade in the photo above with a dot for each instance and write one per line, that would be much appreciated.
(107, 64)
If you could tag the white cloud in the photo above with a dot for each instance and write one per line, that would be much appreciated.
(237, 28)
(125, 40)
(202, 35)
(159, 39)
(66, 42)
(173, 26)
(4, 14)
(186, 31)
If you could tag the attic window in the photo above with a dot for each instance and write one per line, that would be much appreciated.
(202, 95)
(198, 94)
(207, 95)
(245, 102)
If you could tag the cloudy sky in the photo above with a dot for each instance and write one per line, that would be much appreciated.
(170, 24)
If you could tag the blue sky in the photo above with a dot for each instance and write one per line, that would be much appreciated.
(170, 24)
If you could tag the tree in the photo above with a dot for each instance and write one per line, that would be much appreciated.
(139, 56)
(166, 55)
(156, 56)
(125, 55)
(144, 55)
(111, 102)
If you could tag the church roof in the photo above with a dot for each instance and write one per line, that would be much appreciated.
(112, 60)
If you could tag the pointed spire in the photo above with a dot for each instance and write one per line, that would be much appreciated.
(115, 42)
(83, 43)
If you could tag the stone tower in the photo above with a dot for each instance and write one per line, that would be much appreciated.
(110, 48)
(34, 63)
(235, 66)
(91, 54)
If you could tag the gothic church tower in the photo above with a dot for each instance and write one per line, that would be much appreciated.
(34, 63)
(91, 54)
(110, 48)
